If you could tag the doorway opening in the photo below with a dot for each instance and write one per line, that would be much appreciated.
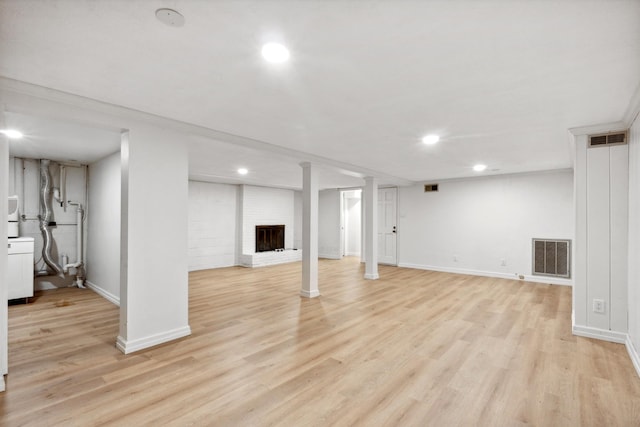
(352, 222)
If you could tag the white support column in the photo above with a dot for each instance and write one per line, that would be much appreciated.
(371, 228)
(309, 231)
(4, 254)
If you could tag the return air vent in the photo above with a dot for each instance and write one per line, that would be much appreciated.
(430, 187)
(552, 258)
(615, 138)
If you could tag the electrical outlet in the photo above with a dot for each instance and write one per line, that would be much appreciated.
(503, 262)
(598, 306)
(455, 258)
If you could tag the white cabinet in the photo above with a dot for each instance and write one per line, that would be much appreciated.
(20, 267)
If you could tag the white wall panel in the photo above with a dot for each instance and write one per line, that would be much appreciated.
(580, 244)
(634, 235)
(619, 216)
(598, 249)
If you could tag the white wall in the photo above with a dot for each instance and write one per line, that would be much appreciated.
(103, 228)
(634, 241)
(212, 225)
(353, 222)
(480, 222)
(297, 219)
(329, 224)
(266, 206)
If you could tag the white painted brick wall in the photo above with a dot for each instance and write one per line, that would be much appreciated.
(212, 225)
(266, 206)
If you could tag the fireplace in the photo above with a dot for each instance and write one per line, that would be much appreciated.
(269, 237)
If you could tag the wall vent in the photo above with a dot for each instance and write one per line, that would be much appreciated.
(551, 258)
(430, 187)
(607, 139)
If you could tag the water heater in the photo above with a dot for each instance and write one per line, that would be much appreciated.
(13, 218)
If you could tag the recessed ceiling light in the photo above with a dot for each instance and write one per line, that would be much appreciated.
(243, 171)
(431, 139)
(12, 133)
(479, 168)
(275, 52)
(170, 17)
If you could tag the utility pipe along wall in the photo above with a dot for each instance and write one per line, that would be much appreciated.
(45, 217)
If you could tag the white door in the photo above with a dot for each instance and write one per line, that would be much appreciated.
(387, 199)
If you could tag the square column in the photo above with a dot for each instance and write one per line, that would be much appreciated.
(371, 228)
(309, 231)
(154, 276)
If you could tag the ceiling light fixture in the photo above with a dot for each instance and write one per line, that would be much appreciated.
(479, 168)
(12, 133)
(170, 17)
(275, 52)
(243, 171)
(431, 139)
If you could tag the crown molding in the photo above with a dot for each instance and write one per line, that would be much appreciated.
(601, 128)
(633, 109)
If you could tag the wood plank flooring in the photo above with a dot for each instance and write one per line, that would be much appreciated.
(415, 348)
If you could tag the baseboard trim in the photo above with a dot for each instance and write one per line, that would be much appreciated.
(131, 346)
(104, 294)
(329, 256)
(633, 354)
(600, 334)
(310, 294)
(2, 384)
(496, 274)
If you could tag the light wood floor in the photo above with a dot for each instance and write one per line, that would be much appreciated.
(413, 348)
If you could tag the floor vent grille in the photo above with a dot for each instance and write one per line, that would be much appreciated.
(551, 258)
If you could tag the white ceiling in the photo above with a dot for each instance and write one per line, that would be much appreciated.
(500, 81)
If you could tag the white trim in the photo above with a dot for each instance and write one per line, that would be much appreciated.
(141, 343)
(371, 276)
(104, 294)
(2, 385)
(599, 334)
(601, 128)
(495, 176)
(496, 274)
(352, 254)
(329, 256)
(633, 109)
(309, 294)
(633, 354)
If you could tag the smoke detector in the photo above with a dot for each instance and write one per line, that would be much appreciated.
(170, 17)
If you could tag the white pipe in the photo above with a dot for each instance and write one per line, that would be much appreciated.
(79, 257)
(63, 186)
(18, 180)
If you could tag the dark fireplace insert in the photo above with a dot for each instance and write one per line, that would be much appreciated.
(269, 237)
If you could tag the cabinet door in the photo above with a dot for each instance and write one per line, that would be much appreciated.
(20, 276)
(15, 276)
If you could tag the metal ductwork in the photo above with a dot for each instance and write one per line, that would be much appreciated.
(45, 217)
